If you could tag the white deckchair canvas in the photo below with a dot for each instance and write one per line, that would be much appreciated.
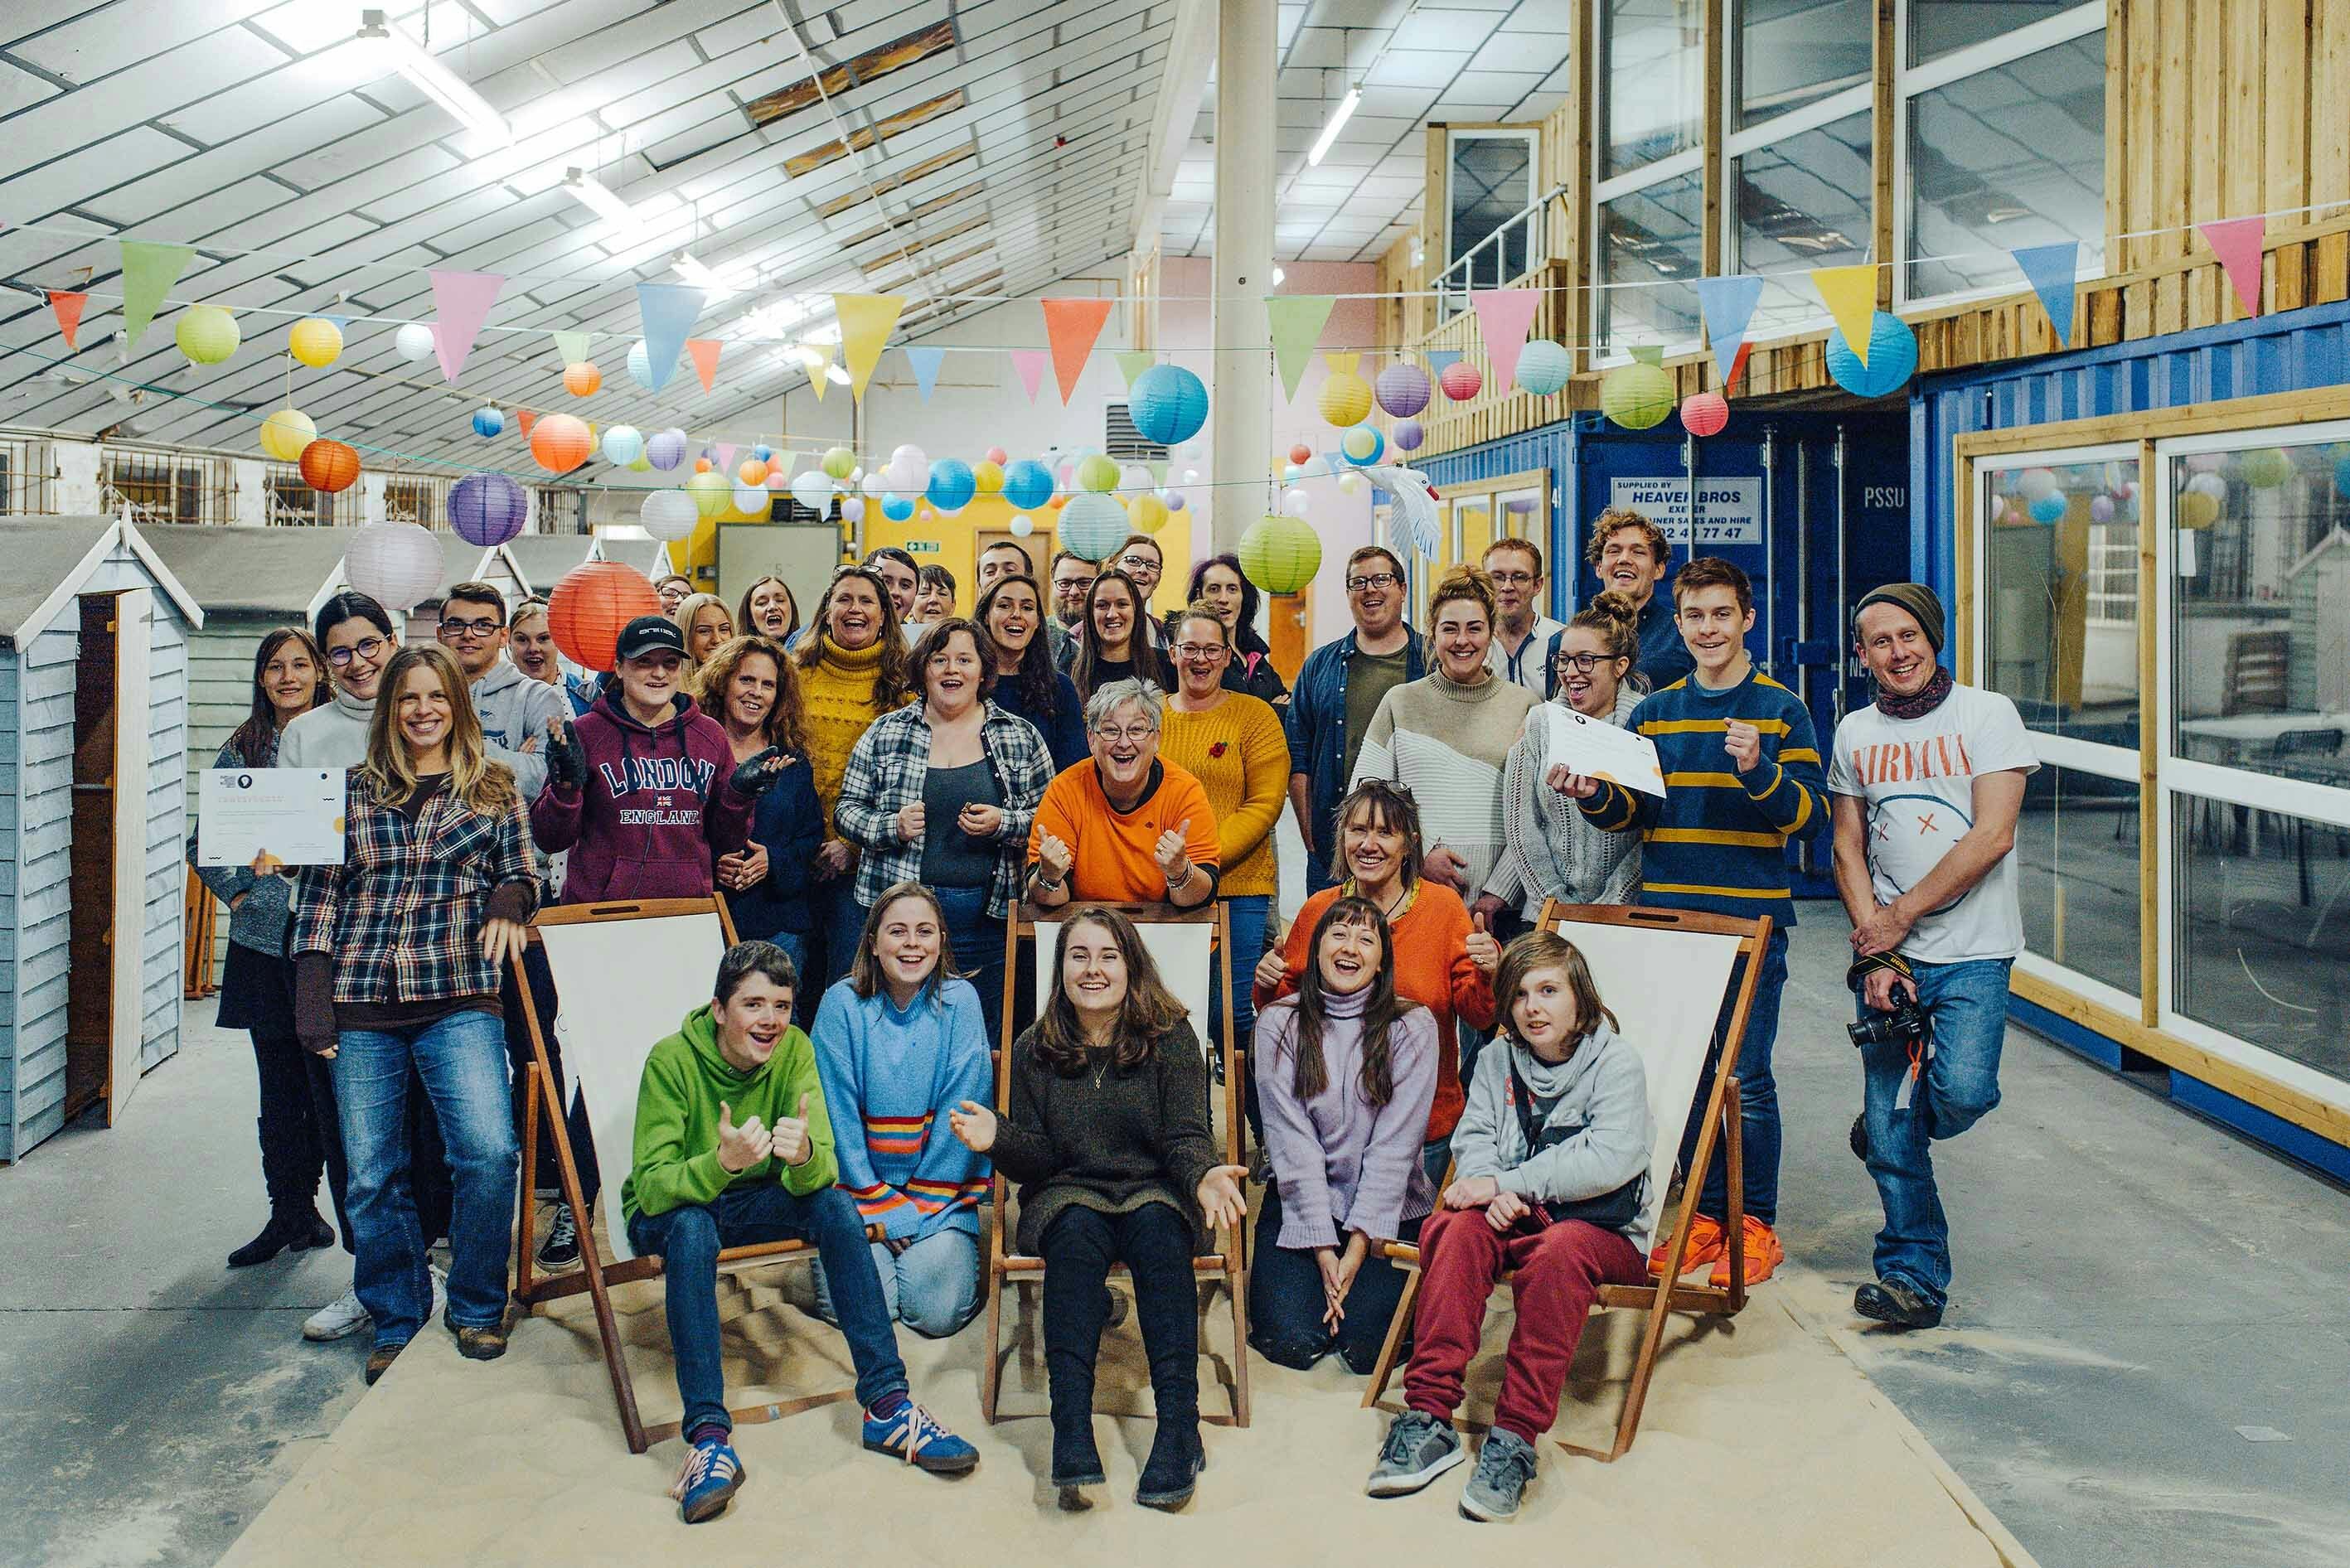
(1180, 952)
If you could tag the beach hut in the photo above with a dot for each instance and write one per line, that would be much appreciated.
(464, 563)
(543, 559)
(94, 631)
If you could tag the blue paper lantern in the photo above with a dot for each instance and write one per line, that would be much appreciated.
(897, 508)
(1544, 367)
(1028, 485)
(1363, 445)
(763, 452)
(1093, 525)
(2341, 478)
(2047, 508)
(952, 484)
(667, 449)
(1892, 357)
(487, 509)
(488, 423)
(623, 445)
(1169, 404)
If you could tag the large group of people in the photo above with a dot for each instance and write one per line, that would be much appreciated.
(877, 790)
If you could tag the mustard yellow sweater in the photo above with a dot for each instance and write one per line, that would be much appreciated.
(1240, 755)
(837, 695)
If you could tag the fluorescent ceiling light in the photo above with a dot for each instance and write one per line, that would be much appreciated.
(838, 375)
(1279, 277)
(435, 80)
(592, 193)
(1338, 119)
(698, 274)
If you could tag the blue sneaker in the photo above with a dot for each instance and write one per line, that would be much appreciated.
(707, 1482)
(912, 1433)
(1504, 1467)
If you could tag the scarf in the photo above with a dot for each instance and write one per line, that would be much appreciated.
(1926, 699)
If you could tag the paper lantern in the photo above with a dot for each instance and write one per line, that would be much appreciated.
(395, 564)
(669, 514)
(2049, 508)
(838, 460)
(711, 492)
(329, 466)
(589, 606)
(1892, 357)
(1363, 445)
(1299, 454)
(906, 476)
(998, 456)
(1351, 483)
(702, 465)
(987, 478)
(488, 423)
(2209, 484)
(1022, 525)
(753, 500)
(1544, 367)
(1402, 390)
(1314, 467)
(1344, 399)
(1637, 396)
(1408, 435)
(206, 334)
(666, 449)
(1169, 404)
(906, 449)
(582, 380)
(1704, 413)
(1297, 503)
(952, 484)
(2341, 478)
(813, 489)
(2101, 509)
(285, 433)
(1177, 500)
(763, 452)
(1098, 473)
(872, 485)
(1461, 380)
(1028, 485)
(2265, 469)
(642, 464)
(1093, 525)
(2196, 509)
(2035, 483)
(2206, 461)
(623, 445)
(752, 472)
(316, 341)
(560, 442)
(852, 510)
(897, 508)
(1147, 513)
(1280, 554)
(487, 508)
(414, 342)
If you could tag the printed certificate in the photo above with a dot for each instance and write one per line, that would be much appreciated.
(295, 813)
(1597, 749)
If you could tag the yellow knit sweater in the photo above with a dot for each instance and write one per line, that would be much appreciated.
(837, 695)
(1238, 752)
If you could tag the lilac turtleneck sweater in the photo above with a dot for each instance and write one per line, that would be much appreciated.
(1341, 1162)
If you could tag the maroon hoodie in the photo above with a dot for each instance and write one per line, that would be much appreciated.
(659, 809)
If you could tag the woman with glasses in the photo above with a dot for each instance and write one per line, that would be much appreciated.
(1232, 744)
(1132, 828)
(1218, 583)
(1553, 851)
(1117, 644)
(1026, 684)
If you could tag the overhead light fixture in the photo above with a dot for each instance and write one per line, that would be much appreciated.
(595, 195)
(1339, 118)
(1279, 277)
(435, 80)
(698, 274)
(838, 375)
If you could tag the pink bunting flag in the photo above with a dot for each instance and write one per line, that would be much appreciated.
(705, 353)
(460, 301)
(1030, 363)
(1503, 314)
(724, 453)
(2236, 242)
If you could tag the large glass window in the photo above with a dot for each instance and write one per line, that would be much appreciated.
(1654, 62)
(1790, 53)
(1491, 181)
(1652, 242)
(1939, 27)
(2011, 155)
(2061, 571)
(2076, 863)
(1801, 201)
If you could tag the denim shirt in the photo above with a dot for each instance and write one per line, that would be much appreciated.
(1316, 722)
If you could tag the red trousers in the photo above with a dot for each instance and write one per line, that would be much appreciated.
(1559, 1270)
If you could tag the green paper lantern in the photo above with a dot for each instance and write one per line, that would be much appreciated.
(1098, 473)
(711, 492)
(838, 462)
(1637, 396)
(206, 334)
(1280, 554)
(1093, 525)
(2266, 468)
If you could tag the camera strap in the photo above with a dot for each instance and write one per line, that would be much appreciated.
(1920, 1050)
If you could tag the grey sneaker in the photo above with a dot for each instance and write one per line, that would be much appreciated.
(1418, 1450)
(1504, 1467)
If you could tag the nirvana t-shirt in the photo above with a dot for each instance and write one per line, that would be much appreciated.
(1918, 776)
(1369, 677)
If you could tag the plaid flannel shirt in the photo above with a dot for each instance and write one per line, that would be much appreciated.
(885, 773)
(402, 916)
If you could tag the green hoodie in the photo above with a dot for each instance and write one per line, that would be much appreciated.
(676, 1146)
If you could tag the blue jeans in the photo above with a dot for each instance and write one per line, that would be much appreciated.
(1247, 914)
(687, 1240)
(840, 925)
(931, 1287)
(1968, 1002)
(978, 950)
(1758, 1095)
(462, 1060)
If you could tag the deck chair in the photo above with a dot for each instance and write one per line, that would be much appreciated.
(1663, 973)
(628, 972)
(1183, 944)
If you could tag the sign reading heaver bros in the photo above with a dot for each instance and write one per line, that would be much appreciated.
(1729, 511)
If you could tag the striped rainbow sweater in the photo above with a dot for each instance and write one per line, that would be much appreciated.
(889, 1078)
(1718, 840)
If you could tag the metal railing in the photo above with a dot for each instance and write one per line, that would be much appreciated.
(1452, 285)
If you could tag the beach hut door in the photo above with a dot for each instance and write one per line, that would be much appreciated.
(133, 610)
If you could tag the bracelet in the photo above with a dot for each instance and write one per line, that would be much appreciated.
(1190, 870)
(1043, 884)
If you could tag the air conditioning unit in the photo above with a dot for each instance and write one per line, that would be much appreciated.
(1122, 440)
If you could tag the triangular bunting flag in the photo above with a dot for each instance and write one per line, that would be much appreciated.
(926, 363)
(148, 273)
(1441, 360)
(865, 322)
(525, 418)
(1646, 353)
(1728, 305)
(1158, 472)
(704, 351)
(1071, 327)
(1503, 314)
(2236, 242)
(1133, 362)
(1850, 295)
(461, 303)
(2048, 270)
(342, 323)
(572, 345)
(666, 312)
(722, 455)
(1294, 321)
(817, 377)
(1030, 363)
(1341, 364)
(67, 307)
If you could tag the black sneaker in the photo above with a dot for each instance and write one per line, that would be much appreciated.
(1894, 1302)
(561, 1248)
(1859, 1138)
(1418, 1450)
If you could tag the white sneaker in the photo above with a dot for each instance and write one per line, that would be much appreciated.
(339, 1319)
(440, 1293)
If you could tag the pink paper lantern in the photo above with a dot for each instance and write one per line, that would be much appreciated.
(1704, 413)
(1461, 380)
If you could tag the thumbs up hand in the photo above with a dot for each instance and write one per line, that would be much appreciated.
(1174, 853)
(740, 1148)
(792, 1144)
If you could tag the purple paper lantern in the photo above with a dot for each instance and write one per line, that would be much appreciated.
(667, 449)
(1408, 435)
(487, 509)
(1402, 390)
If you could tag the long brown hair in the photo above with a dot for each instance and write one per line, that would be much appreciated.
(743, 621)
(1310, 1074)
(1039, 682)
(864, 970)
(1149, 1011)
(891, 675)
(480, 784)
(1391, 807)
(257, 736)
(1140, 653)
(1548, 949)
(785, 724)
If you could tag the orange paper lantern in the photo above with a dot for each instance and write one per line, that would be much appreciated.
(330, 465)
(590, 606)
(560, 442)
(702, 465)
(752, 472)
(582, 380)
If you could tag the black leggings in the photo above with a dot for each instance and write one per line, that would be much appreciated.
(1286, 1302)
(1155, 1244)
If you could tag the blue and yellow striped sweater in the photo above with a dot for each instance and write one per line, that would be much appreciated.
(1718, 840)
(889, 1077)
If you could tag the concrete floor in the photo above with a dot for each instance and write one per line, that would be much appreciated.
(2133, 1286)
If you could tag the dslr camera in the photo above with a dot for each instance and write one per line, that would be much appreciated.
(1907, 1024)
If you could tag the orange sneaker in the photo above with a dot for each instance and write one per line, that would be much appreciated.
(1707, 1242)
(1763, 1256)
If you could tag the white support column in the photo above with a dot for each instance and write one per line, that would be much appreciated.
(1241, 396)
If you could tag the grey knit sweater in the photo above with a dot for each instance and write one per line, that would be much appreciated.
(1447, 743)
(1554, 850)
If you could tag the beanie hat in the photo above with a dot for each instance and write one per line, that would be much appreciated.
(1920, 601)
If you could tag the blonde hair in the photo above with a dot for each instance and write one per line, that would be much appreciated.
(682, 618)
(474, 781)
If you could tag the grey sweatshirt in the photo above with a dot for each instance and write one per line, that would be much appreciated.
(513, 709)
(1602, 1095)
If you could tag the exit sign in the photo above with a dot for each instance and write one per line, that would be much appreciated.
(923, 547)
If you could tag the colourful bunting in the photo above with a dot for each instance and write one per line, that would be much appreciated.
(818, 356)
(460, 301)
(572, 345)
(666, 312)
(1728, 306)
(1071, 327)
(1295, 322)
(705, 353)
(724, 452)
(926, 363)
(148, 273)
(66, 306)
(1850, 295)
(1133, 362)
(1441, 360)
(525, 418)
(865, 322)
(2236, 242)
(1647, 354)
(2048, 270)
(1030, 363)
(1504, 316)
(1341, 364)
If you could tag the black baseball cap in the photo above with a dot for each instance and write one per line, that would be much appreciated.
(650, 634)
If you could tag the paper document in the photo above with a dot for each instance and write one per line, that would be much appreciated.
(295, 813)
(1597, 749)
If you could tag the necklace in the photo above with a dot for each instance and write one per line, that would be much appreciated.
(1396, 908)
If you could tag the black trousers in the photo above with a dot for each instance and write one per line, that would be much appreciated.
(293, 1154)
(1285, 1304)
(544, 1002)
(1155, 1243)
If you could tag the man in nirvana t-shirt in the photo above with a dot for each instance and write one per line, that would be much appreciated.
(1926, 785)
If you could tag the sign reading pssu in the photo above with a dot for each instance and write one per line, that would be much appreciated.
(1729, 511)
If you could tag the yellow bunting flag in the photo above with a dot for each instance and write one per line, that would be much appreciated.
(1341, 364)
(865, 322)
(1850, 295)
(817, 366)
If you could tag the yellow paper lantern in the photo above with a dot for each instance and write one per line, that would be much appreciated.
(2195, 509)
(285, 433)
(316, 341)
(1280, 554)
(987, 478)
(711, 492)
(1346, 399)
(1147, 513)
(206, 334)
(1098, 473)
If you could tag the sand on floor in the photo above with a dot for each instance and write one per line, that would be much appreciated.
(1761, 1443)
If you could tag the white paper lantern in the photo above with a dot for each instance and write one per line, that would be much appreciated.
(812, 489)
(414, 342)
(752, 498)
(871, 485)
(1295, 502)
(396, 564)
(669, 514)
(1023, 525)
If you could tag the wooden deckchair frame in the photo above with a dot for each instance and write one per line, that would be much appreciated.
(1667, 1294)
(1227, 1266)
(593, 1276)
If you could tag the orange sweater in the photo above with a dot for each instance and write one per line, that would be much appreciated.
(1432, 968)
